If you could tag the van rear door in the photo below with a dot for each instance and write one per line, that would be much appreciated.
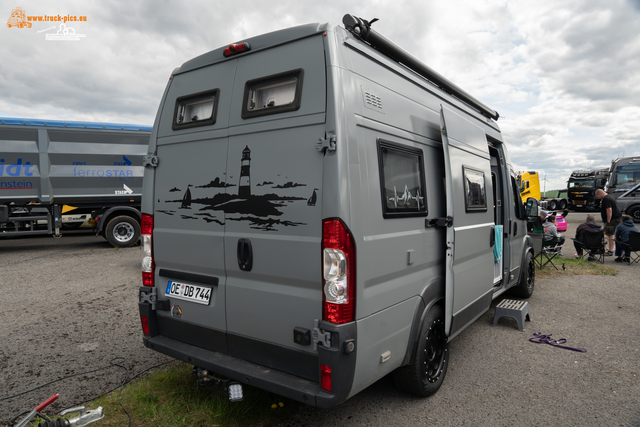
(190, 191)
(469, 265)
(273, 216)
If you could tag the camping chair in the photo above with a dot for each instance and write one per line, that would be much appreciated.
(550, 250)
(632, 248)
(536, 241)
(593, 243)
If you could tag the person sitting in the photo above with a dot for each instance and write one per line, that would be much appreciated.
(588, 226)
(622, 238)
(551, 235)
(537, 225)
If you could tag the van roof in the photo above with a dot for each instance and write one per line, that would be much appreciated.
(69, 124)
(259, 42)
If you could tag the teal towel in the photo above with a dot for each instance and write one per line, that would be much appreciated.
(497, 247)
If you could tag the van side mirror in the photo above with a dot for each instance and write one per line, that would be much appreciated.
(532, 208)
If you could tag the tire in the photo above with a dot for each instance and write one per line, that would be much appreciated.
(635, 214)
(562, 204)
(424, 376)
(552, 205)
(122, 231)
(524, 289)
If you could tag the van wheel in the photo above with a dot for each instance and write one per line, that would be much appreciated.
(122, 231)
(524, 289)
(424, 376)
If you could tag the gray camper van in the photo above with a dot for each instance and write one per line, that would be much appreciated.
(320, 210)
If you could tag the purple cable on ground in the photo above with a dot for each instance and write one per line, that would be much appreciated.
(540, 338)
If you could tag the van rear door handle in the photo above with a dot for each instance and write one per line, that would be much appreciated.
(245, 255)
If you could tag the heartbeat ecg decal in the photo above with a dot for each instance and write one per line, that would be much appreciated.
(406, 197)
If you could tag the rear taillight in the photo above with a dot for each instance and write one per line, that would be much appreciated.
(339, 272)
(148, 266)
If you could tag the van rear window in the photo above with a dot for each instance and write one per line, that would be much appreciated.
(401, 180)
(196, 110)
(272, 94)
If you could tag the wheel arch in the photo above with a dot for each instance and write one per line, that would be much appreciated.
(432, 294)
(103, 217)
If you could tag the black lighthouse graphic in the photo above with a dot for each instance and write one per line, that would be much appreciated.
(244, 187)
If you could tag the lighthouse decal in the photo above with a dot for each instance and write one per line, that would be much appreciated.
(244, 187)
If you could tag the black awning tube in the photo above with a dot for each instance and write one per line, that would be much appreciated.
(362, 29)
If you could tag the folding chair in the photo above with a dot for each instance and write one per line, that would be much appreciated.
(550, 250)
(536, 241)
(634, 247)
(593, 243)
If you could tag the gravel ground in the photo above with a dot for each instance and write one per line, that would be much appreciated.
(70, 306)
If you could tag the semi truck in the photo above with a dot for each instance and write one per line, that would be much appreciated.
(320, 210)
(624, 174)
(529, 184)
(52, 168)
(582, 186)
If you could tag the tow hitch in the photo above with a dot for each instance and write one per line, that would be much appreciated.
(231, 388)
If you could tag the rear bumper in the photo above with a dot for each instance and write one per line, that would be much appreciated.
(341, 362)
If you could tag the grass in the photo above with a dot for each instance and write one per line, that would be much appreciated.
(576, 267)
(171, 398)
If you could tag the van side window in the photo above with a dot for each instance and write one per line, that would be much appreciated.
(402, 180)
(272, 94)
(475, 190)
(196, 110)
(518, 207)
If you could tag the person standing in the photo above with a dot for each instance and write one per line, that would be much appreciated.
(610, 216)
(622, 237)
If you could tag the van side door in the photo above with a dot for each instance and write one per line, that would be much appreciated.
(470, 237)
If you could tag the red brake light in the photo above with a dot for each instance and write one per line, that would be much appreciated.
(236, 48)
(148, 266)
(147, 224)
(339, 272)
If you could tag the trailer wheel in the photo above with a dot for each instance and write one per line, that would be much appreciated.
(425, 375)
(635, 214)
(524, 289)
(552, 205)
(122, 231)
(562, 205)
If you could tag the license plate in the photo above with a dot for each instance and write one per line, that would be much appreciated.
(579, 202)
(193, 293)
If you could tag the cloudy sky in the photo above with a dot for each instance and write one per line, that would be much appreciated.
(564, 75)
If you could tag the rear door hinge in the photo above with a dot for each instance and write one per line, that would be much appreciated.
(319, 336)
(148, 297)
(328, 143)
(150, 161)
